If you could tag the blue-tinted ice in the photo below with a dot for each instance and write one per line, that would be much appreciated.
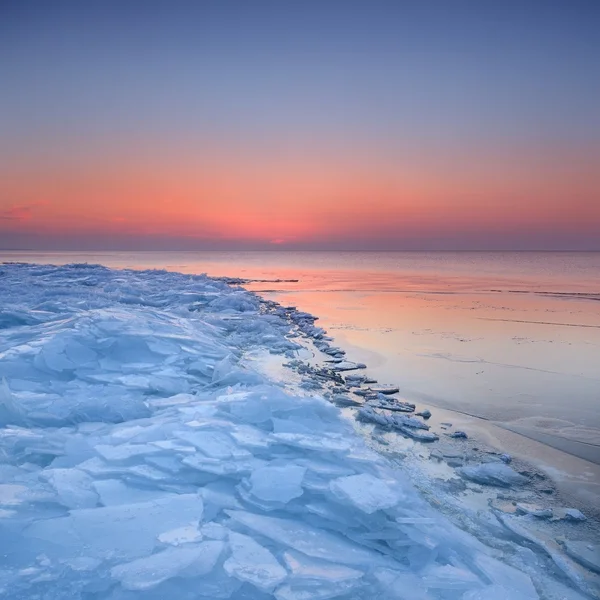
(142, 457)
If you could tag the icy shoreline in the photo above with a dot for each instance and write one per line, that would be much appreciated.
(142, 455)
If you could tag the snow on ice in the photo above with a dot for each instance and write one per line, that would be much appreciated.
(141, 456)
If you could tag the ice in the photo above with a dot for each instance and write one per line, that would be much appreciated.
(73, 487)
(574, 514)
(181, 535)
(10, 494)
(280, 484)
(319, 591)
(303, 568)
(145, 454)
(385, 389)
(313, 442)
(305, 538)
(585, 553)
(366, 492)
(124, 451)
(253, 563)
(505, 577)
(498, 474)
(534, 510)
(135, 527)
(310, 578)
(448, 577)
(214, 444)
(115, 492)
(147, 572)
(494, 592)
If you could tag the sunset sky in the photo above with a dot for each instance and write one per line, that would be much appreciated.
(408, 125)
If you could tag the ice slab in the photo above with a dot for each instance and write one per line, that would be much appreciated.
(126, 530)
(148, 572)
(366, 492)
(305, 538)
(498, 474)
(277, 483)
(585, 553)
(347, 365)
(253, 563)
(304, 568)
(73, 487)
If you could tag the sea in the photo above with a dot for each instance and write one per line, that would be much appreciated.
(509, 343)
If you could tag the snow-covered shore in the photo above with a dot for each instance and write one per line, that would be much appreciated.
(142, 454)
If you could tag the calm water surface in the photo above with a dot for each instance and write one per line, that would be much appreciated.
(513, 338)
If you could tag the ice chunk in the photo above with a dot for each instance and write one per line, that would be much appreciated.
(448, 577)
(585, 553)
(385, 389)
(73, 487)
(498, 474)
(182, 535)
(347, 365)
(506, 577)
(218, 466)
(366, 492)
(124, 451)
(342, 400)
(535, 510)
(495, 592)
(305, 538)
(10, 409)
(10, 494)
(177, 400)
(305, 568)
(83, 563)
(214, 531)
(251, 437)
(417, 434)
(574, 514)
(127, 531)
(313, 442)
(253, 563)
(277, 483)
(314, 591)
(214, 444)
(148, 572)
(401, 585)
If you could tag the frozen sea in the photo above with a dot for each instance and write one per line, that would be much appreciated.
(143, 402)
(512, 338)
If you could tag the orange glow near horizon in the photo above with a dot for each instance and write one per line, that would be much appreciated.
(301, 203)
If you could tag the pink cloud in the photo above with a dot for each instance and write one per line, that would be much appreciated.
(19, 212)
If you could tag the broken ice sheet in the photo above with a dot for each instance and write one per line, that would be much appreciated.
(148, 572)
(126, 531)
(182, 535)
(253, 563)
(277, 483)
(304, 568)
(366, 492)
(73, 487)
(498, 474)
(305, 538)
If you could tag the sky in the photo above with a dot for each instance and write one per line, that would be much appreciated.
(329, 125)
